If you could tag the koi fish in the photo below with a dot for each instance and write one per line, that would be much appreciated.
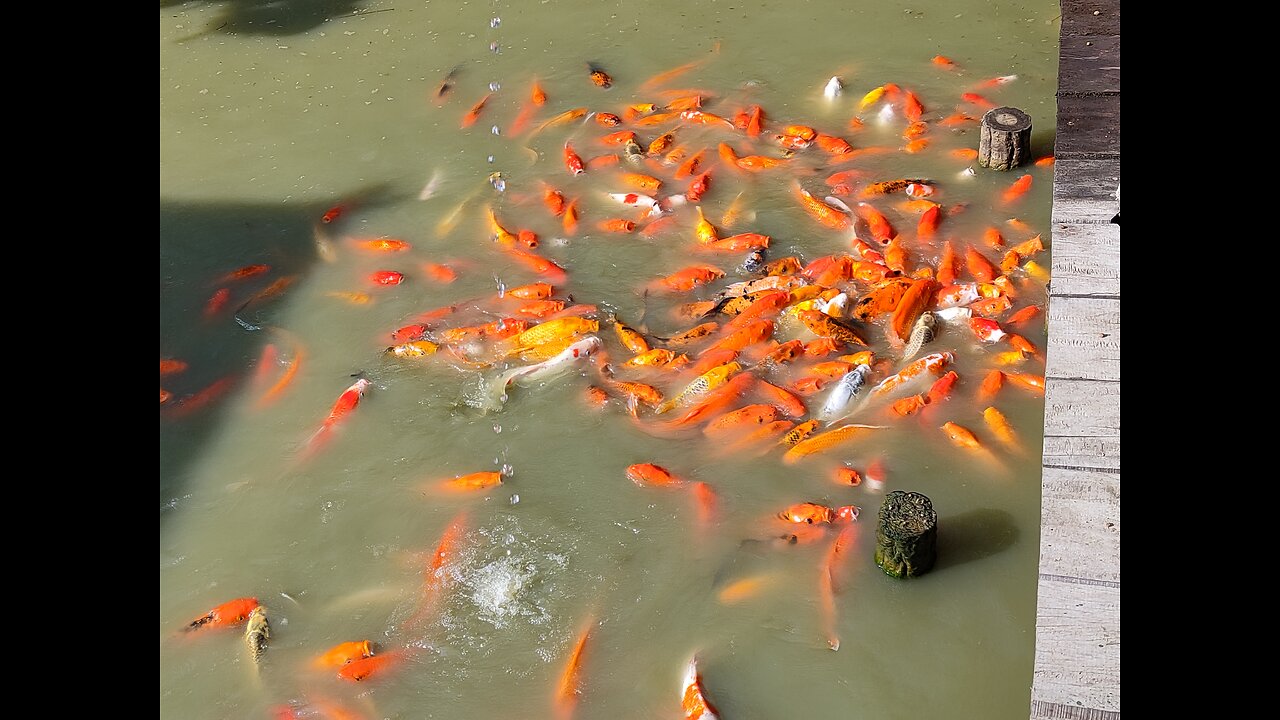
(495, 396)
(344, 653)
(1015, 191)
(572, 161)
(650, 475)
(568, 689)
(832, 89)
(823, 325)
(693, 698)
(821, 211)
(216, 302)
(257, 632)
(879, 226)
(690, 277)
(839, 403)
(932, 363)
(911, 107)
(169, 366)
(229, 613)
(365, 668)
(913, 303)
(698, 187)
(977, 99)
(474, 113)
(825, 441)
(702, 385)
(960, 436)
(799, 433)
(600, 78)
(386, 277)
(472, 481)
(944, 62)
(346, 402)
(922, 332)
(809, 513)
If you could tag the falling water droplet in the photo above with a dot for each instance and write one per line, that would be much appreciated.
(515, 499)
(495, 87)
(507, 470)
(495, 22)
(495, 130)
(495, 47)
(497, 428)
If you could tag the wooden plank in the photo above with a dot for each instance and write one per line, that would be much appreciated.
(1090, 17)
(1088, 124)
(1084, 337)
(1068, 450)
(1082, 408)
(1080, 525)
(1077, 648)
(1089, 64)
(1086, 261)
(1079, 178)
(1041, 710)
(1086, 212)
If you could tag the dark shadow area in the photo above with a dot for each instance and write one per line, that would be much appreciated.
(201, 245)
(271, 17)
(974, 535)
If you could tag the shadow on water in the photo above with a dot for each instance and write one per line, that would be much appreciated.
(974, 535)
(200, 244)
(271, 17)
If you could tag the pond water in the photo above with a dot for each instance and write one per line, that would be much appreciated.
(272, 114)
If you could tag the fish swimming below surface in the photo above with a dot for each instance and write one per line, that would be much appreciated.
(495, 396)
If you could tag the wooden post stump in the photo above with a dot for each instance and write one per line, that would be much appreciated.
(1005, 142)
(907, 538)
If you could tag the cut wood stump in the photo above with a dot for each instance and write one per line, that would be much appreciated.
(1005, 142)
(907, 537)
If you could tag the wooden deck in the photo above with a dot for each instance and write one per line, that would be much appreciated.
(1077, 665)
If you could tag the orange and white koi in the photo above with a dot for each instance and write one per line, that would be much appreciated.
(932, 363)
(572, 161)
(693, 698)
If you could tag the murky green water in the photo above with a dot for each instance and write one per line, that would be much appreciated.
(280, 114)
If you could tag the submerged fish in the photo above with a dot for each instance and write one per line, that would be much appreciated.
(839, 403)
(256, 633)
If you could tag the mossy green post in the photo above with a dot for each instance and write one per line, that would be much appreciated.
(907, 537)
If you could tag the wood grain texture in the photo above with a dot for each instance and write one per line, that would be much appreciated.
(1077, 646)
(1084, 337)
(1082, 408)
(1082, 178)
(1067, 450)
(1086, 261)
(1080, 525)
(1079, 18)
(1089, 64)
(1088, 124)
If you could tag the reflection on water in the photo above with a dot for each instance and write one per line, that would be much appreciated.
(273, 114)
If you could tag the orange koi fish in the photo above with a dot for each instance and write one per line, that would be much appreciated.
(991, 385)
(602, 161)
(928, 225)
(608, 119)
(692, 334)
(827, 583)
(999, 425)
(914, 301)
(742, 242)
(909, 405)
(344, 653)
(977, 99)
(821, 211)
(944, 62)
(365, 668)
(474, 113)
(880, 228)
(823, 325)
(895, 255)
(956, 120)
(1046, 161)
(1015, 191)
(471, 482)
(414, 349)
(911, 107)
(553, 200)
(570, 218)
(227, 614)
(809, 513)
(690, 167)
(204, 397)
(652, 358)
(386, 277)
(599, 77)
(698, 187)
(385, 245)
(941, 388)
(947, 265)
(169, 366)
(744, 419)
(966, 154)
(825, 441)
(689, 278)
(758, 163)
(979, 266)
(693, 698)
(290, 372)
(848, 476)
(562, 118)
(960, 436)
(1033, 383)
(245, 272)
(346, 402)
(916, 145)
(705, 501)
(572, 161)
(216, 302)
(650, 475)
(567, 691)
(1027, 313)
(617, 225)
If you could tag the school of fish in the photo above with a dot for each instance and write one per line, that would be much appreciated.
(742, 348)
